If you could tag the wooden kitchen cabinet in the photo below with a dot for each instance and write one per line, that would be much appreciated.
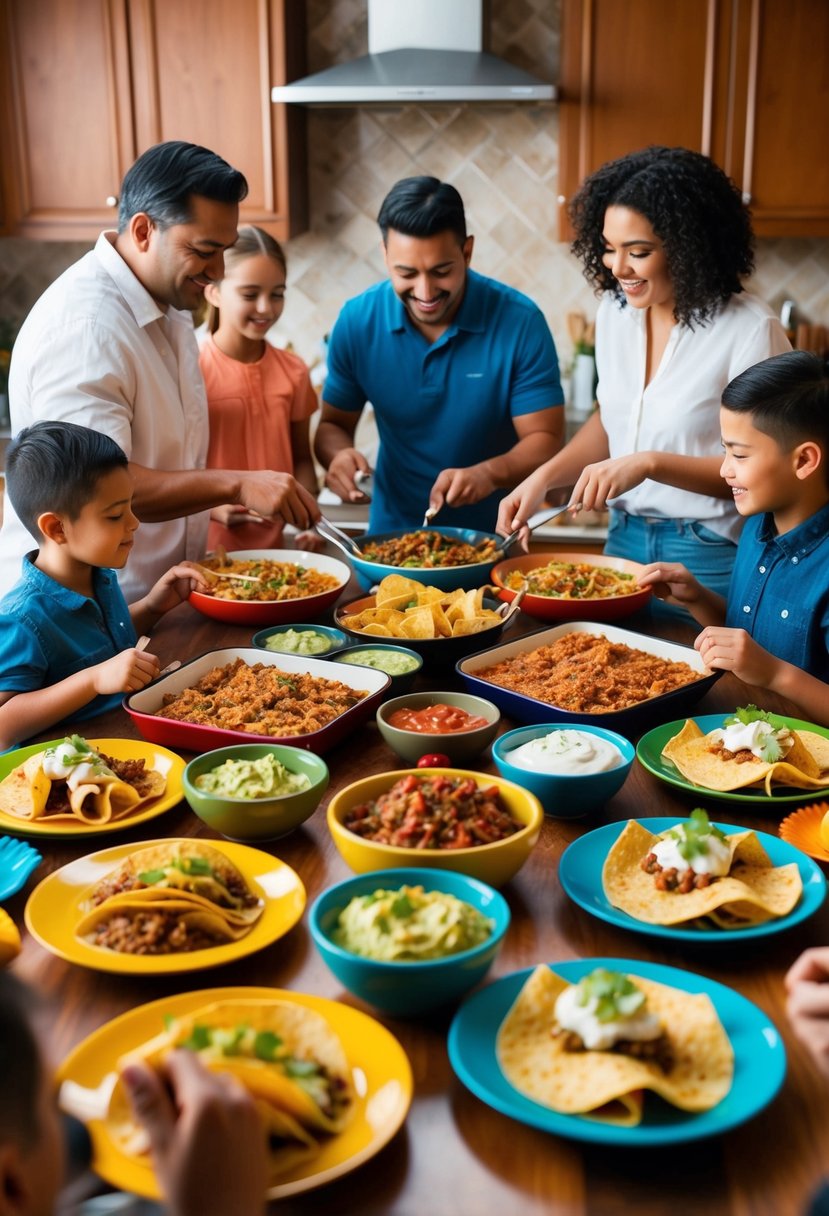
(744, 81)
(93, 83)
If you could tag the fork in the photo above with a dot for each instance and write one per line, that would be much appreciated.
(17, 860)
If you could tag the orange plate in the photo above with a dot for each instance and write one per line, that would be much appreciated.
(549, 608)
(802, 829)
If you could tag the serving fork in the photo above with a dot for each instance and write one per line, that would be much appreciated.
(17, 860)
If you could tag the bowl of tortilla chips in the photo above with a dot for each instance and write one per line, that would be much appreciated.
(443, 557)
(442, 626)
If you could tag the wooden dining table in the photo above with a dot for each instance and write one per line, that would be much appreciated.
(455, 1156)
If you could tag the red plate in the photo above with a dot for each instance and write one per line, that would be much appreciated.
(276, 612)
(193, 737)
(548, 608)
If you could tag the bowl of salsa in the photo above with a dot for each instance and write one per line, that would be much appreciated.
(455, 724)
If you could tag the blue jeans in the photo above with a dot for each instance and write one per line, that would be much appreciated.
(649, 538)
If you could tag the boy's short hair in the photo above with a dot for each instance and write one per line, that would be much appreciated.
(422, 207)
(56, 466)
(787, 397)
(20, 1062)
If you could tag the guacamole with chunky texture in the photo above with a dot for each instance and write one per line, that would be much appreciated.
(410, 925)
(262, 778)
(299, 641)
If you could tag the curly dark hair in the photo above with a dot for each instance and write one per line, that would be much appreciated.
(695, 210)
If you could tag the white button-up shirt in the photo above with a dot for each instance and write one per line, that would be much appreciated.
(679, 411)
(97, 350)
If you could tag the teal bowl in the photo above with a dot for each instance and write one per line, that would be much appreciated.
(370, 573)
(337, 640)
(254, 819)
(407, 989)
(564, 796)
(388, 656)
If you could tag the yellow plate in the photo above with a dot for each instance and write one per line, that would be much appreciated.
(380, 1071)
(156, 757)
(54, 908)
(802, 829)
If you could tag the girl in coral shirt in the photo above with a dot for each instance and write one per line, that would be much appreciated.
(259, 398)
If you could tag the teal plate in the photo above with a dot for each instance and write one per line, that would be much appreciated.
(580, 873)
(649, 753)
(759, 1061)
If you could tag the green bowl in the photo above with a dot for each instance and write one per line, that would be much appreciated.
(461, 747)
(251, 819)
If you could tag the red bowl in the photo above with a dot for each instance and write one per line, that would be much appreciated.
(276, 612)
(549, 608)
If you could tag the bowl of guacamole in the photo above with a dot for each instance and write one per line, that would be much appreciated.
(399, 662)
(255, 791)
(317, 641)
(411, 939)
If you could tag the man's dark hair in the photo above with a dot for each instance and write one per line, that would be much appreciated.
(166, 176)
(421, 207)
(693, 207)
(787, 397)
(56, 466)
(20, 1062)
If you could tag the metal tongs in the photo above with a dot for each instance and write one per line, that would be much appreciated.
(508, 611)
(532, 524)
(336, 536)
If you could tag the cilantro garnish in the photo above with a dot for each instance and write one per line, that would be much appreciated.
(150, 877)
(691, 835)
(615, 995)
(266, 1045)
(200, 1037)
(300, 1068)
(748, 714)
(402, 906)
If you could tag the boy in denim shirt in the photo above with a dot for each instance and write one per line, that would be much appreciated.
(773, 632)
(67, 638)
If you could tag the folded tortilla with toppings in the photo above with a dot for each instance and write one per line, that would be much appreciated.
(286, 1055)
(184, 871)
(688, 1060)
(750, 750)
(169, 927)
(749, 890)
(72, 781)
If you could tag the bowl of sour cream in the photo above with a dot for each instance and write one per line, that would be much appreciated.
(571, 770)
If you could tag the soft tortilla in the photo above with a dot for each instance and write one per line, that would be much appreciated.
(757, 891)
(690, 752)
(582, 1083)
(212, 891)
(209, 922)
(24, 793)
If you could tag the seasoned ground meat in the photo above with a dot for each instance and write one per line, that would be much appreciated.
(154, 931)
(681, 881)
(659, 1051)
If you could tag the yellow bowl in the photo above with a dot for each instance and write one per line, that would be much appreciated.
(493, 863)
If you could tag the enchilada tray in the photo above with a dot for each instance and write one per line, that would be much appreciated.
(143, 706)
(629, 721)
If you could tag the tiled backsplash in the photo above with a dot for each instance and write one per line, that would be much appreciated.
(502, 158)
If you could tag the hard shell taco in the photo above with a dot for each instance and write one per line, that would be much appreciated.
(173, 926)
(188, 871)
(287, 1057)
(633, 1034)
(71, 780)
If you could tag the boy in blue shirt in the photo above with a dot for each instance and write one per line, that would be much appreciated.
(773, 632)
(67, 638)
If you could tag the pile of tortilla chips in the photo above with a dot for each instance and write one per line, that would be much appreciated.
(29, 793)
(287, 1057)
(806, 765)
(755, 891)
(404, 608)
(608, 1085)
(181, 884)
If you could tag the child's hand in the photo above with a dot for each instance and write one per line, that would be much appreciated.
(734, 650)
(126, 672)
(311, 541)
(807, 1004)
(673, 583)
(173, 588)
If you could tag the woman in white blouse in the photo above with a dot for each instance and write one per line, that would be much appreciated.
(664, 237)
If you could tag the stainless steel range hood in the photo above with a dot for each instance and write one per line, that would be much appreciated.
(420, 50)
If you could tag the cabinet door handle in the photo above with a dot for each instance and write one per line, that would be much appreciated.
(112, 200)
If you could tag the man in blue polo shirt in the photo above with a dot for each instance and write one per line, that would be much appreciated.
(461, 370)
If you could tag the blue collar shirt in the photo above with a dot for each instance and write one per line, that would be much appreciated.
(780, 590)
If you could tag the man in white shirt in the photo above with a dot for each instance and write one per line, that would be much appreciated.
(110, 346)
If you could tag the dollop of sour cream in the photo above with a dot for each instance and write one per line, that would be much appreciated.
(566, 752)
(61, 763)
(641, 1025)
(716, 860)
(752, 736)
